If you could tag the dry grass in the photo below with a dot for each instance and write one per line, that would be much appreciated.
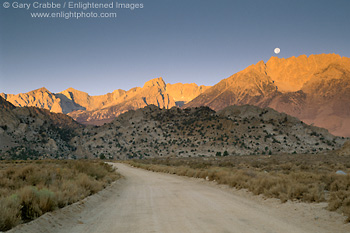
(30, 189)
(307, 178)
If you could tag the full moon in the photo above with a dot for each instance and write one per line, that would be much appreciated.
(277, 50)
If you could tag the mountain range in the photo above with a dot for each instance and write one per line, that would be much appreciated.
(34, 133)
(315, 89)
(100, 109)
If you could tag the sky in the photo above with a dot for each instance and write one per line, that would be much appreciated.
(188, 41)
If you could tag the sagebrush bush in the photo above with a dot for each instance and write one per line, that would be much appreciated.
(30, 189)
(10, 214)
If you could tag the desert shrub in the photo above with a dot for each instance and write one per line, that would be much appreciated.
(68, 193)
(90, 169)
(30, 189)
(340, 200)
(10, 214)
(89, 184)
(35, 202)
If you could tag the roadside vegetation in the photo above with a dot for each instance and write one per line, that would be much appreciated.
(30, 189)
(306, 178)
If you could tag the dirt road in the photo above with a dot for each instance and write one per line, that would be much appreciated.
(148, 202)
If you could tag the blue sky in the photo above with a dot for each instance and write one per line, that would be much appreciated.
(184, 41)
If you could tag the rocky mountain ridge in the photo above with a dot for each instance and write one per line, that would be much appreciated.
(315, 89)
(104, 108)
(29, 132)
(235, 130)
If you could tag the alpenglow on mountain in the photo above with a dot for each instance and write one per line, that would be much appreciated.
(315, 89)
(104, 108)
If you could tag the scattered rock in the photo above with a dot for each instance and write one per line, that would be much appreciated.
(340, 172)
